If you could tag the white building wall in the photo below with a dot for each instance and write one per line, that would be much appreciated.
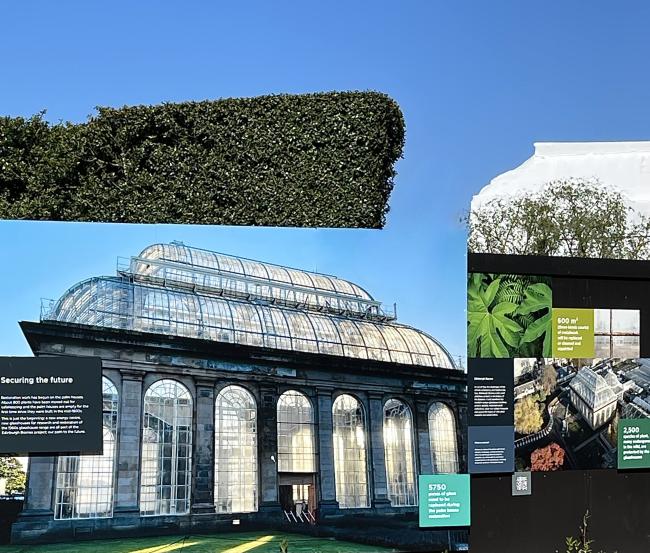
(623, 166)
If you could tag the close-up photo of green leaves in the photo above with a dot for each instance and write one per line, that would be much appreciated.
(509, 316)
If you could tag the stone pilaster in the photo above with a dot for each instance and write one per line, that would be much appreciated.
(129, 445)
(327, 477)
(267, 437)
(380, 497)
(39, 498)
(203, 456)
(461, 416)
(422, 437)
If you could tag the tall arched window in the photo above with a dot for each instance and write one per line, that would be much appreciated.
(296, 451)
(85, 483)
(442, 436)
(235, 451)
(399, 454)
(350, 462)
(166, 468)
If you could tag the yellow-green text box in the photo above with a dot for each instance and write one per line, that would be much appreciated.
(573, 332)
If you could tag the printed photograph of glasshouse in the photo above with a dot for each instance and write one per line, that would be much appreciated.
(567, 410)
(252, 381)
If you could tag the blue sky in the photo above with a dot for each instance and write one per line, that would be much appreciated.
(478, 83)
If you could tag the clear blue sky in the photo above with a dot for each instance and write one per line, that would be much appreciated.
(478, 82)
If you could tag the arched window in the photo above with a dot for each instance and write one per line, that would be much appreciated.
(85, 483)
(235, 451)
(166, 468)
(350, 464)
(296, 451)
(442, 436)
(399, 454)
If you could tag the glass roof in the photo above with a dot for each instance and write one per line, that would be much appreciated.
(593, 389)
(180, 274)
(198, 258)
(121, 303)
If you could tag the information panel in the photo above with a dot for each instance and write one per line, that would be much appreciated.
(50, 405)
(558, 363)
(573, 332)
(444, 500)
(634, 444)
(491, 420)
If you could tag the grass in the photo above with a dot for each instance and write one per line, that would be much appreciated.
(255, 542)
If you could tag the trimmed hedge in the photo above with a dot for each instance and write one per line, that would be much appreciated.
(306, 160)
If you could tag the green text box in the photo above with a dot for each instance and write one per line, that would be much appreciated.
(634, 444)
(573, 332)
(444, 500)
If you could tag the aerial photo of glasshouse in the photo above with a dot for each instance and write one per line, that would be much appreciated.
(567, 410)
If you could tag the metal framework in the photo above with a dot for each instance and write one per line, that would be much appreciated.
(182, 291)
(112, 302)
(84, 484)
(442, 438)
(617, 333)
(350, 457)
(593, 389)
(235, 468)
(240, 286)
(296, 433)
(399, 453)
(166, 468)
(197, 258)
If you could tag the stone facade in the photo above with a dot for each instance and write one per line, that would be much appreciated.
(133, 361)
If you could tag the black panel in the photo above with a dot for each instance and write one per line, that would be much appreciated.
(558, 266)
(618, 503)
(51, 405)
(492, 373)
(583, 283)
(620, 507)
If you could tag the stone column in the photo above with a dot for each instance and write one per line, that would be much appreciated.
(129, 445)
(327, 501)
(461, 416)
(380, 498)
(267, 436)
(422, 436)
(203, 456)
(35, 519)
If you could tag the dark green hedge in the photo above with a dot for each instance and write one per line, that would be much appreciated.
(310, 160)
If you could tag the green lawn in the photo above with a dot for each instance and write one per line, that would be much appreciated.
(258, 542)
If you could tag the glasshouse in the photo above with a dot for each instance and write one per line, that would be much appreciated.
(241, 392)
(595, 396)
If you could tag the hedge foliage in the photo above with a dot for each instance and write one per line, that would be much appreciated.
(307, 160)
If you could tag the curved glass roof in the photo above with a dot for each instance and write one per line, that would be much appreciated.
(197, 258)
(121, 303)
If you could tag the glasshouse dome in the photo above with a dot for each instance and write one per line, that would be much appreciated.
(175, 290)
(204, 260)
